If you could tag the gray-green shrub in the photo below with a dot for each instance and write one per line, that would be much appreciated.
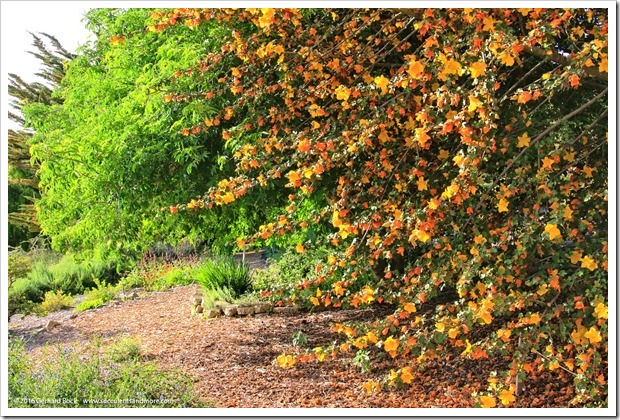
(72, 379)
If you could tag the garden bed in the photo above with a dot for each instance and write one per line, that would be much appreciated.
(232, 359)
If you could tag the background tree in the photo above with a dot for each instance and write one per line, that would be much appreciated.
(23, 181)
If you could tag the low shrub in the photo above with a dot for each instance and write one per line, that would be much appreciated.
(248, 299)
(287, 269)
(154, 274)
(182, 250)
(55, 301)
(19, 303)
(176, 277)
(69, 276)
(66, 275)
(19, 265)
(117, 375)
(126, 349)
(89, 304)
(223, 272)
(36, 284)
(131, 280)
(73, 277)
(97, 296)
(218, 294)
(270, 278)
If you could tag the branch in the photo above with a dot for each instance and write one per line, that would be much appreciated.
(560, 366)
(523, 78)
(563, 60)
(533, 142)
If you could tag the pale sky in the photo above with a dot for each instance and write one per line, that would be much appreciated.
(57, 18)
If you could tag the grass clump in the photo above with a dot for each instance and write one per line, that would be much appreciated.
(114, 377)
(223, 273)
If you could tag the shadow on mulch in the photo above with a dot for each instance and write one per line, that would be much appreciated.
(35, 338)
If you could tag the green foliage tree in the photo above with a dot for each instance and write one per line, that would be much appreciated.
(113, 154)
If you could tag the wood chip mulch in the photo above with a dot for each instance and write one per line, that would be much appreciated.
(231, 359)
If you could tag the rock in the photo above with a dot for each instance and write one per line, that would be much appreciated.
(262, 308)
(229, 311)
(115, 302)
(245, 310)
(286, 310)
(220, 304)
(130, 296)
(199, 309)
(211, 313)
(51, 324)
(196, 299)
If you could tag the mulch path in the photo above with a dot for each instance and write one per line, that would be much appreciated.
(231, 359)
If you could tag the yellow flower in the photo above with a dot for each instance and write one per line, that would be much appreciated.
(507, 396)
(487, 401)
(477, 69)
(553, 231)
(453, 333)
(534, 318)
(285, 360)
(343, 93)
(542, 290)
(422, 184)
(486, 317)
(372, 386)
(391, 344)
(593, 335)
(575, 256)
(589, 263)
(416, 69)
(600, 311)
(548, 163)
(406, 376)
(506, 58)
(524, 140)
(409, 307)
(502, 206)
(452, 67)
(382, 83)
